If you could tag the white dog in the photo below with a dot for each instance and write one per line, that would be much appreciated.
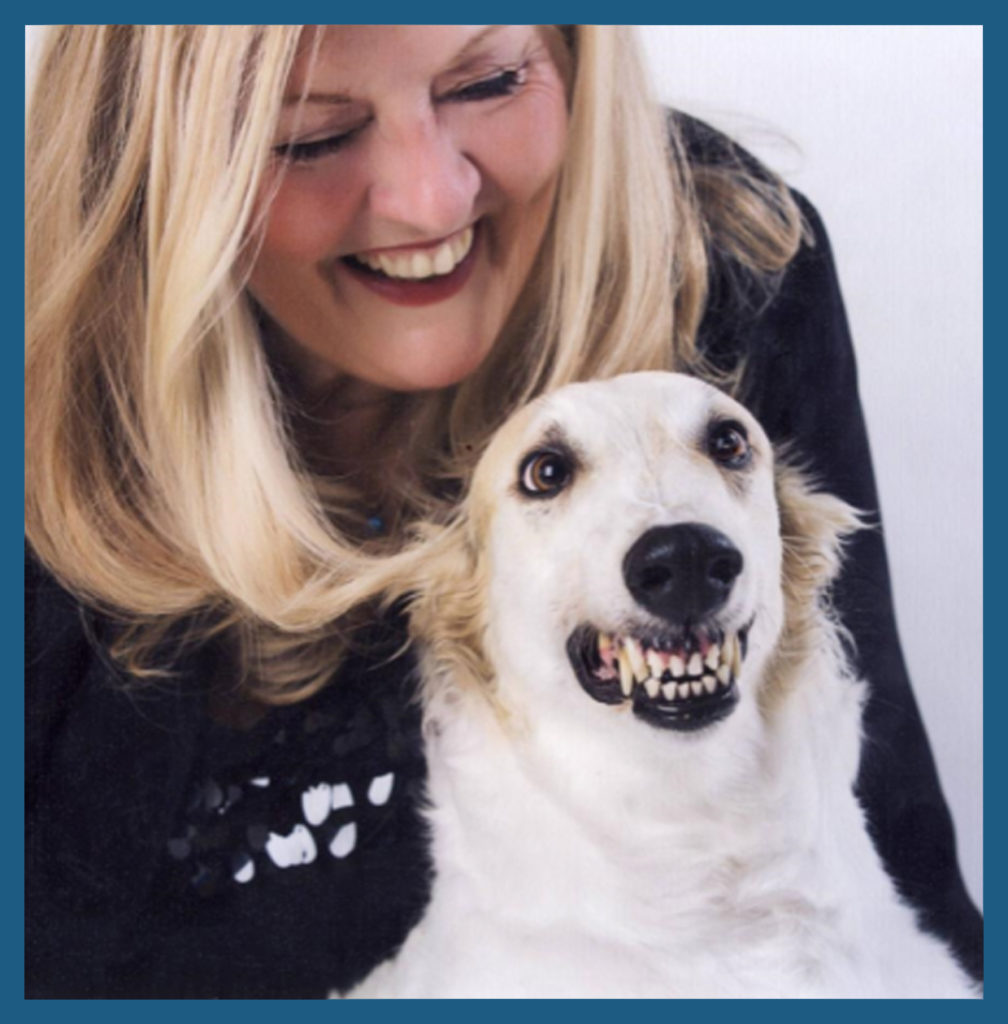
(641, 730)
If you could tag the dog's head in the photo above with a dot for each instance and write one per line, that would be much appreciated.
(632, 549)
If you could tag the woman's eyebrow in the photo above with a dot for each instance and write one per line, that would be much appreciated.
(338, 97)
(473, 42)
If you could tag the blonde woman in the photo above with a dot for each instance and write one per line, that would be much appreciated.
(281, 287)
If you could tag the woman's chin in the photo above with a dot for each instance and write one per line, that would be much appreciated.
(434, 371)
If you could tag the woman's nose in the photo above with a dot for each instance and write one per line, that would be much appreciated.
(422, 179)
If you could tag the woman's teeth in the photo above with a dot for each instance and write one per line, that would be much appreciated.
(422, 263)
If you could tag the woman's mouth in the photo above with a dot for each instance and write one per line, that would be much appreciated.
(421, 275)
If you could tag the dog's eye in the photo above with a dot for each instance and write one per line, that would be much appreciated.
(728, 444)
(545, 473)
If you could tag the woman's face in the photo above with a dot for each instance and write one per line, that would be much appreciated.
(413, 184)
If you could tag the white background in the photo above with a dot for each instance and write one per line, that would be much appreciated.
(882, 128)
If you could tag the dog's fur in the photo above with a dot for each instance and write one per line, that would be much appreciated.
(582, 851)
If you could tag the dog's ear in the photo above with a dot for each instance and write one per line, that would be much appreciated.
(813, 527)
(447, 608)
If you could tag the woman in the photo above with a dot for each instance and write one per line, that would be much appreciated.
(282, 287)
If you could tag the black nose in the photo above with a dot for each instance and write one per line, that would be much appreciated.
(683, 572)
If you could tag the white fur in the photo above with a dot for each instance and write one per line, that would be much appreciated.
(582, 852)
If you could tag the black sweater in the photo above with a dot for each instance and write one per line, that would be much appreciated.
(170, 856)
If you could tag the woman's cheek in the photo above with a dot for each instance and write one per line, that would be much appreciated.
(525, 151)
(309, 215)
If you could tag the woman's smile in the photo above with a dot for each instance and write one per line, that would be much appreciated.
(408, 197)
(412, 275)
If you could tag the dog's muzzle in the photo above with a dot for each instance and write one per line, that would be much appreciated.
(685, 678)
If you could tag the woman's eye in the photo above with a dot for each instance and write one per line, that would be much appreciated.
(503, 83)
(302, 152)
(544, 474)
(728, 444)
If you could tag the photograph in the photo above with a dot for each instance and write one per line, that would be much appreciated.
(503, 511)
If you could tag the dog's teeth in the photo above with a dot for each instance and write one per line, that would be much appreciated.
(723, 674)
(636, 656)
(655, 663)
(684, 689)
(736, 662)
(669, 691)
(713, 656)
(652, 686)
(604, 646)
(697, 687)
(625, 672)
(676, 666)
(709, 683)
(695, 666)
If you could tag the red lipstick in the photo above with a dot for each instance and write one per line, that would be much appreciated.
(423, 292)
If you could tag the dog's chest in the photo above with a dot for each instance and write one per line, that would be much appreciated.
(548, 888)
(549, 905)
(771, 898)
(528, 932)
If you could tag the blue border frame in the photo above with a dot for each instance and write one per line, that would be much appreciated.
(11, 432)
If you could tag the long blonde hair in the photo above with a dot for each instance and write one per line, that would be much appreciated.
(163, 484)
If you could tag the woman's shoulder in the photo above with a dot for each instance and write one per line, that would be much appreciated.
(707, 146)
(785, 333)
(80, 707)
(740, 299)
(53, 624)
(67, 647)
(57, 649)
(767, 247)
(141, 801)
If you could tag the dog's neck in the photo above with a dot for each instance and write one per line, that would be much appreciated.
(630, 802)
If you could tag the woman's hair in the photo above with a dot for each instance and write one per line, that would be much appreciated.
(163, 482)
